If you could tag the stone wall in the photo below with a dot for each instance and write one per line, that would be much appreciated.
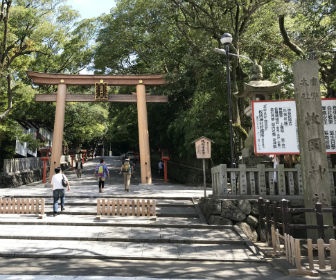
(17, 179)
(243, 213)
(14, 180)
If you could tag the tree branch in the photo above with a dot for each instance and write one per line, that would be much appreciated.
(286, 39)
(9, 99)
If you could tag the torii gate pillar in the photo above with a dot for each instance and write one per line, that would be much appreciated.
(58, 129)
(62, 80)
(146, 175)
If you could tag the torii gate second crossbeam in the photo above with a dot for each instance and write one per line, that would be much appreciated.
(61, 97)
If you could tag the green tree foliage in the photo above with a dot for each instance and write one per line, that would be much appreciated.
(43, 36)
(308, 29)
(172, 37)
(84, 122)
(177, 38)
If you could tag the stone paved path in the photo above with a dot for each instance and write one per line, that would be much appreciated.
(178, 244)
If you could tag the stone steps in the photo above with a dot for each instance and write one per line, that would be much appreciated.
(160, 211)
(122, 233)
(90, 220)
(125, 250)
(177, 234)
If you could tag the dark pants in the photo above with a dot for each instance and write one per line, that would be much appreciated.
(58, 194)
(101, 182)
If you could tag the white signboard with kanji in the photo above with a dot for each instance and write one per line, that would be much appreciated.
(329, 119)
(275, 126)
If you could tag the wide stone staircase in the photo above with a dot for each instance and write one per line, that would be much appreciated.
(179, 232)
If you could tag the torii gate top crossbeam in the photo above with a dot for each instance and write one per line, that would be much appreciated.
(69, 79)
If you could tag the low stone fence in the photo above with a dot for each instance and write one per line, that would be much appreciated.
(241, 212)
(260, 181)
(14, 165)
(22, 171)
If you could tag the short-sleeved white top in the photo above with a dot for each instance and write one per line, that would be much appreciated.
(56, 181)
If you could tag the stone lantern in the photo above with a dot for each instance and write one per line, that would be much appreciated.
(256, 89)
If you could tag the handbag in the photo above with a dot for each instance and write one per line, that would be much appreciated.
(64, 182)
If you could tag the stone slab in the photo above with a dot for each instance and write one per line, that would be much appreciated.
(47, 232)
(123, 250)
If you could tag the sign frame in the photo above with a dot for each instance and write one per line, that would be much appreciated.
(254, 125)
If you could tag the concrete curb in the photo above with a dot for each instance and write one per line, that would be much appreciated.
(100, 223)
(130, 240)
(100, 257)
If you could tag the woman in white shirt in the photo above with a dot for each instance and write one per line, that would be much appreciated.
(58, 189)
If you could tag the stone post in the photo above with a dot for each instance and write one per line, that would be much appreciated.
(315, 174)
(145, 165)
(58, 129)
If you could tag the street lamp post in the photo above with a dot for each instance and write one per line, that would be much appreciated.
(226, 40)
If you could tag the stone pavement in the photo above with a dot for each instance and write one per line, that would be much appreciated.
(178, 245)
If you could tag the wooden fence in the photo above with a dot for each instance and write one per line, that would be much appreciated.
(276, 217)
(279, 215)
(21, 164)
(260, 181)
(22, 206)
(305, 265)
(126, 207)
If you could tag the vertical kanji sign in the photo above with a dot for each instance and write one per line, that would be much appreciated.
(203, 151)
(315, 173)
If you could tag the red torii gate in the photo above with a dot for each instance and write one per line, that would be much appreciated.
(61, 97)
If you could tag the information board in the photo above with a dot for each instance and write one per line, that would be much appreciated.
(329, 119)
(275, 126)
(203, 147)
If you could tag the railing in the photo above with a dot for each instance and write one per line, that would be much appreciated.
(22, 206)
(280, 214)
(260, 181)
(305, 265)
(21, 164)
(128, 207)
(276, 217)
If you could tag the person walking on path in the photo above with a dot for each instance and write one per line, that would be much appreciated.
(79, 167)
(127, 169)
(102, 172)
(58, 188)
(160, 165)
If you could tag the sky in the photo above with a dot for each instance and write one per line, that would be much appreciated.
(91, 8)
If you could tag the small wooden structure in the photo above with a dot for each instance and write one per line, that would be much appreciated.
(126, 207)
(22, 206)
